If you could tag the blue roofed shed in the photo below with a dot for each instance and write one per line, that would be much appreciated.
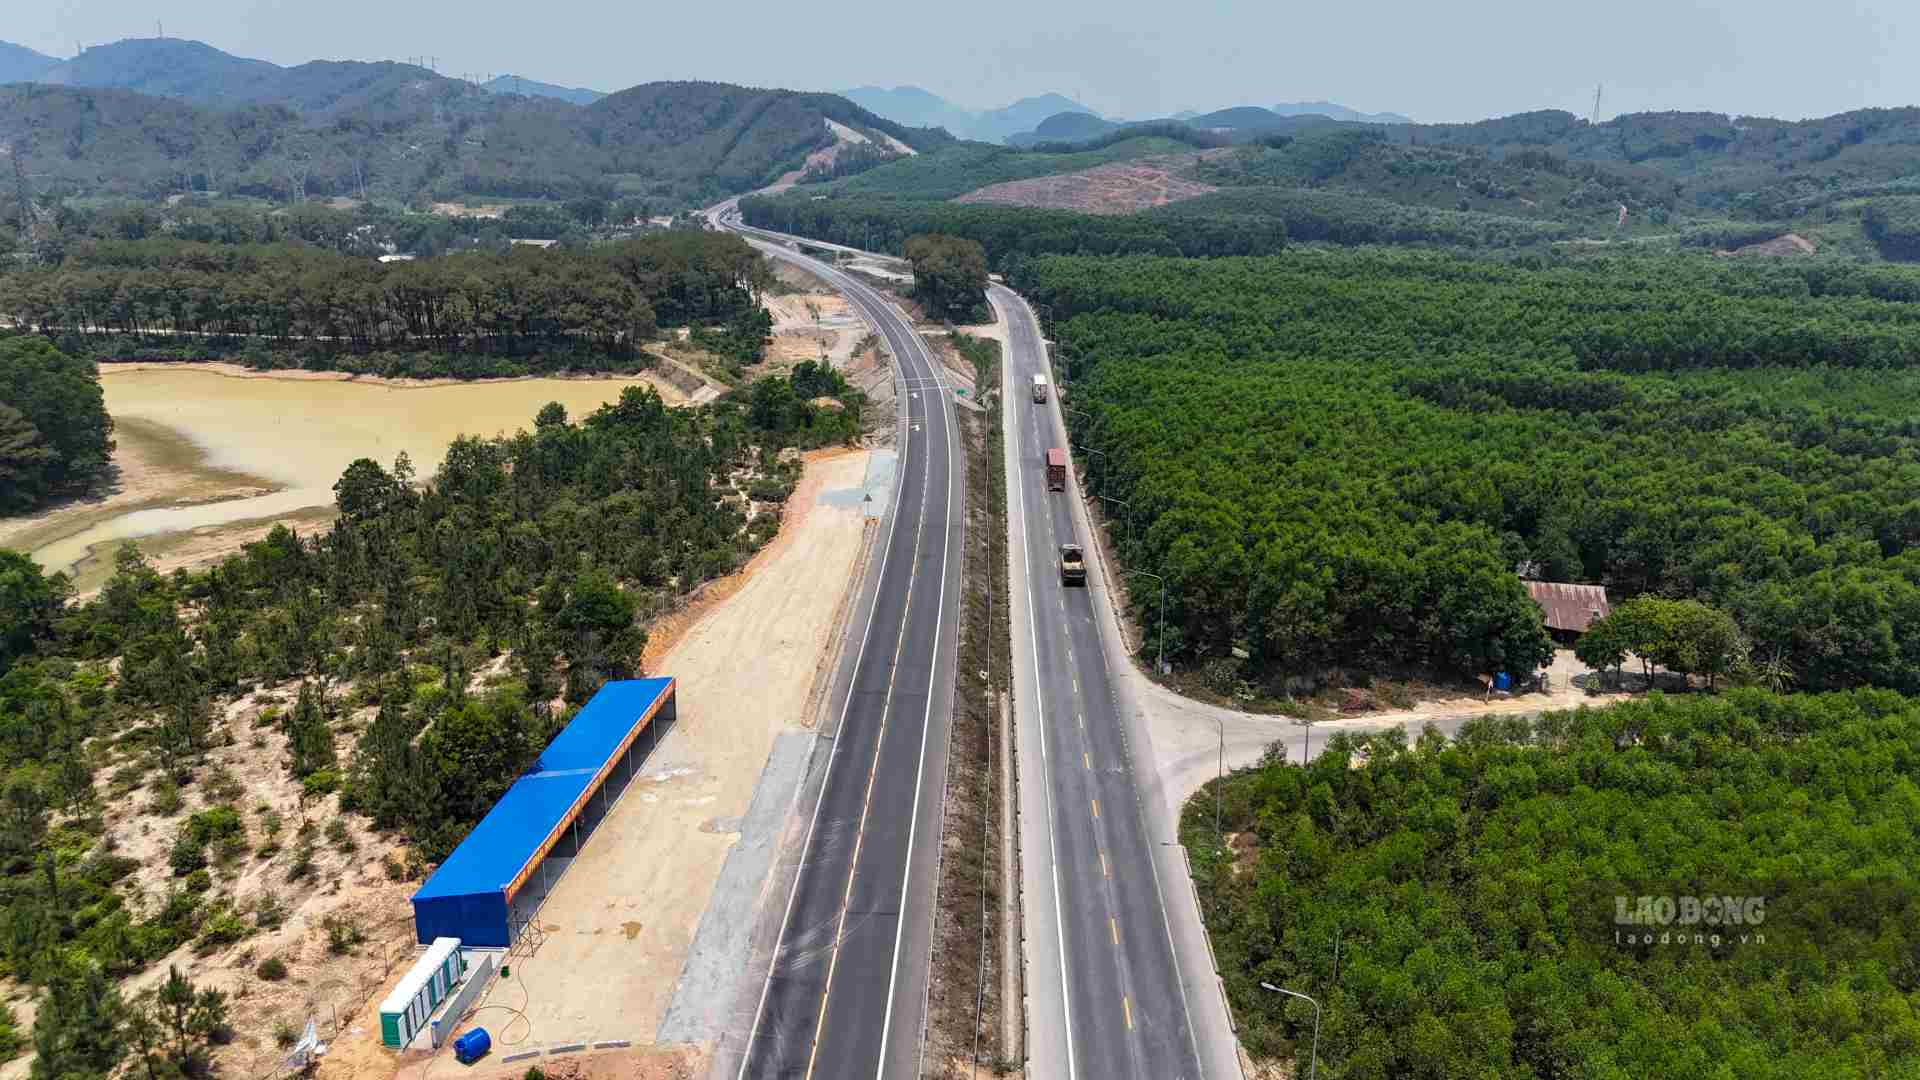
(492, 884)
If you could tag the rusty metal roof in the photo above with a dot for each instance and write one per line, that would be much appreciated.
(1569, 607)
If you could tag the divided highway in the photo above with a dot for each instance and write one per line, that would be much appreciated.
(1119, 978)
(846, 995)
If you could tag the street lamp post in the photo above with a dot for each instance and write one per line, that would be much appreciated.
(1091, 450)
(1129, 509)
(1079, 412)
(1161, 663)
(1306, 741)
(1313, 1060)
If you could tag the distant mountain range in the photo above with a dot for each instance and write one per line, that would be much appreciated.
(920, 108)
(21, 64)
(1337, 112)
(152, 117)
(197, 72)
(1242, 122)
(518, 84)
(1026, 121)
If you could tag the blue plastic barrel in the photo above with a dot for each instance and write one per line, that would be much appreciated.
(472, 1046)
(1502, 681)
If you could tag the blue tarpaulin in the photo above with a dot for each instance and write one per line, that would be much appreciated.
(469, 896)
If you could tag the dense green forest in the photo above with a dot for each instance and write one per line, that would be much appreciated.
(548, 550)
(1523, 183)
(1751, 166)
(1237, 221)
(1011, 233)
(1340, 459)
(1452, 905)
(469, 314)
(55, 434)
(368, 230)
(949, 277)
(397, 133)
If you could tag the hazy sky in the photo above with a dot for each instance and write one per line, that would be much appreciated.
(1127, 58)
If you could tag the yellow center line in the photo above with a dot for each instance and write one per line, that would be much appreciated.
(1115, 927)
(1096, 808)
(1086, 759)
(1103, 865)
(1127, 1004)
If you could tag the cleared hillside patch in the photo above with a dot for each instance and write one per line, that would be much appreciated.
(1117, 188)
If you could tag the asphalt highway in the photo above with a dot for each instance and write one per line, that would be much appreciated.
(1122, 1008)
(847, 991)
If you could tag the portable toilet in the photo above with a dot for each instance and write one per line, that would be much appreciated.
(420, 991)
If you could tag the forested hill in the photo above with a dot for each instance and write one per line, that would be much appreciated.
(1762, 166)
(1845, 183)
(17, 63)
(391, 131)
(175, 67)
(518, 84)
(199, 73)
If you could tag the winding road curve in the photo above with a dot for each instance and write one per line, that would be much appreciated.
(847, 991)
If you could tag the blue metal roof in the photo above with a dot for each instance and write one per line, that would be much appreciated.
(511, 834)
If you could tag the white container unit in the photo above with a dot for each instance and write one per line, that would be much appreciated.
(420, 991)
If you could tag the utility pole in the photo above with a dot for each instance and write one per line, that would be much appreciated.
(30, 217)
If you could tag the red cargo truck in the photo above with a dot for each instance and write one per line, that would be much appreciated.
(1056, 470)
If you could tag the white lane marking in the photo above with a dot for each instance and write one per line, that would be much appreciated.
(1039, 712)
(933, 674)
(1126, 766)
(806, 846)
(1057, 430)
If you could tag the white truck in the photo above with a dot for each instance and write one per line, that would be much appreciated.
(1039, 389)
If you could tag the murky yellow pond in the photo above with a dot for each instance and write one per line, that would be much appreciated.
(300, 434)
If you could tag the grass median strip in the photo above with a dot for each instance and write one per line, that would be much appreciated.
(964, 1020)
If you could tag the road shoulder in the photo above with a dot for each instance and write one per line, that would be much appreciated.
(1045, 1005)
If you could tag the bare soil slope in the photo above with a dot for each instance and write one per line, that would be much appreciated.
(1789, 244)
(1122, 187)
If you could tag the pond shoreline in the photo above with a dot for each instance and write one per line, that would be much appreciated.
(211, 454)
(154, 466)
(230, 370)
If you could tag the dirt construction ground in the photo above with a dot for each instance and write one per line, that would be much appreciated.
(809, 325)
(619, 925)
(1120, 187)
